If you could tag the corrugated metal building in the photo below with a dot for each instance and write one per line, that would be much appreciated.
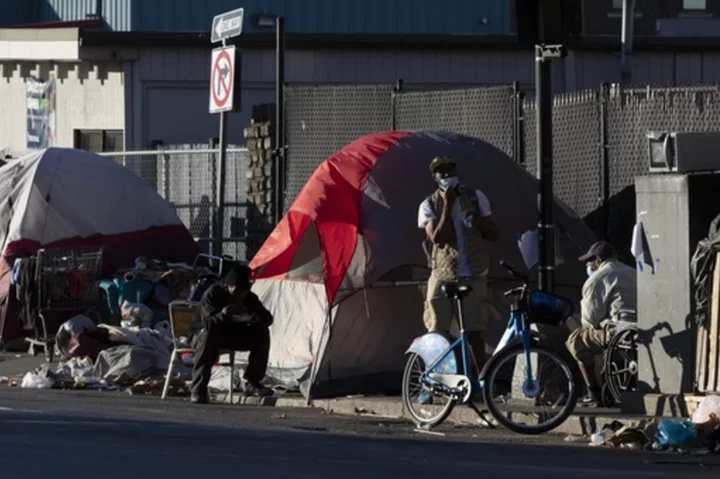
(133, 78)
(489, 17)
(137, 76)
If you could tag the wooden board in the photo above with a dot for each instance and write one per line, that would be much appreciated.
(692, 403)
(707, 363)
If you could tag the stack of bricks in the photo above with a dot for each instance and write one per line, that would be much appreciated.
(260, 142)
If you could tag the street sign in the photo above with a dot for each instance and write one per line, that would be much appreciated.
(226, 25)
(222, 80)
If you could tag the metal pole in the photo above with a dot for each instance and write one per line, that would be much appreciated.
(546, 224)
(279, 117)
(628, 22)
(393, 99)
(604, 160)
(220, 184)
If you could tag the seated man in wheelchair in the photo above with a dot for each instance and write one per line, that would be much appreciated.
(609, 298)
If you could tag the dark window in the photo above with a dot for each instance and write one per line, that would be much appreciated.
(99, 141)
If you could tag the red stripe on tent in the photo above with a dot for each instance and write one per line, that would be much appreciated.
(169, 243)
(331, 198)
(277, 253)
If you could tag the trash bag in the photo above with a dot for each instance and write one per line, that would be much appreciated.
(38, 379)
(701, 269)
(708, 412)
(70, 328)
(675, 433)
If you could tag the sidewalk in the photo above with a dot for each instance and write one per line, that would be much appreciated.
(585, 421)
(17, 364)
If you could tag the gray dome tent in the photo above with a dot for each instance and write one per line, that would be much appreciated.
(342, 272)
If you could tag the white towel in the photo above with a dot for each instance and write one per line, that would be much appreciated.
(636, 248)
(528, 244)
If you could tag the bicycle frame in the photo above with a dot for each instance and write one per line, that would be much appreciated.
(516, 328)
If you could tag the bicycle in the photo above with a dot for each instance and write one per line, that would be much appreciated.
(442, 379)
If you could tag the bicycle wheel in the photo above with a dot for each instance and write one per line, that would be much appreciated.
(425, 407)
(621, 367)
(524, 411)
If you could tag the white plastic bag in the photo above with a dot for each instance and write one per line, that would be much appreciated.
(709, 406)
(36, 381)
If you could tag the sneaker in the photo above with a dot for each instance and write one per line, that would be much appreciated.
(199, 398)
(257, 390)
(590, 400)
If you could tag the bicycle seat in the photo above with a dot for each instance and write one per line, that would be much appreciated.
(455, 290)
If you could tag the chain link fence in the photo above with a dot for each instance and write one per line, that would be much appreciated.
(631, 114)
(599, 143)
(576, 151)
(322, 119)
(599, 136)
(485, 113)
(186, 176)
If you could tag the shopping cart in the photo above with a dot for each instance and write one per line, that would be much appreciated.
(67, 282)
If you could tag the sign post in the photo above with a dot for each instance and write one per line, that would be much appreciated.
(224, 73)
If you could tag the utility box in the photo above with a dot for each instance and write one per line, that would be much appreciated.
(676, 211)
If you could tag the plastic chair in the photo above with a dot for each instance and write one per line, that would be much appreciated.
(181, 314)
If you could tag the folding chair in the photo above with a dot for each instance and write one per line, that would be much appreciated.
(181, 315)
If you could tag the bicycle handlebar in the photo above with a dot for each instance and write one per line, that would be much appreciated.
(513, 271)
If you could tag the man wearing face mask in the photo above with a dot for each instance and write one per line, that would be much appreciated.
(458, 223)
(232, 317)
(609, 298)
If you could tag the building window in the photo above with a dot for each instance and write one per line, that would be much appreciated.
(694, 4)
(99, 141)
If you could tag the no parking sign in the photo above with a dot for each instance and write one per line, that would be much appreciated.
(223, 72)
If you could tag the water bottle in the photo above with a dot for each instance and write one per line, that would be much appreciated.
(600, 438)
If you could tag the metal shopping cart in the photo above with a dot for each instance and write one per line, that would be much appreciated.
(67, 282)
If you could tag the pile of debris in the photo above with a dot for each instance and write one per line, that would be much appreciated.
(698, 435)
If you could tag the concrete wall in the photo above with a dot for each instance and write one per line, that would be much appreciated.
(88, 96)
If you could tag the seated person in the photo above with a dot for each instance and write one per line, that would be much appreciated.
(609, 297)
(232, 318)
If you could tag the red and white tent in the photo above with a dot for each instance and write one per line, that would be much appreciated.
(343, 270)
(63, 197)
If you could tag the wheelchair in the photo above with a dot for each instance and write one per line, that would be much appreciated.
(620, 366)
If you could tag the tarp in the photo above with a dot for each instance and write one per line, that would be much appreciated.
(348, 250)
(64, 198)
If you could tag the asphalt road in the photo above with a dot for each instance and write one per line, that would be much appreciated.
(95, 435)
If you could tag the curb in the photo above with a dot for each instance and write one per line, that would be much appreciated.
(581, 423)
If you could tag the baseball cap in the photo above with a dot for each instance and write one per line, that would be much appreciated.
(601, 248)
(440, 161)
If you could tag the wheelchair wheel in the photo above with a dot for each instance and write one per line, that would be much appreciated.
(607, 398)
(621, 367)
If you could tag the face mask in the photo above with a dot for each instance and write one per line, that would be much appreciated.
(590, 271)
(447, 183)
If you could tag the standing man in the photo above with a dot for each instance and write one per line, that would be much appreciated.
(232, 318)
(458, 223)
(609, 299)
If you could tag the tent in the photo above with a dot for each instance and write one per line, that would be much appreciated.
(61, 197)
(344, 270)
